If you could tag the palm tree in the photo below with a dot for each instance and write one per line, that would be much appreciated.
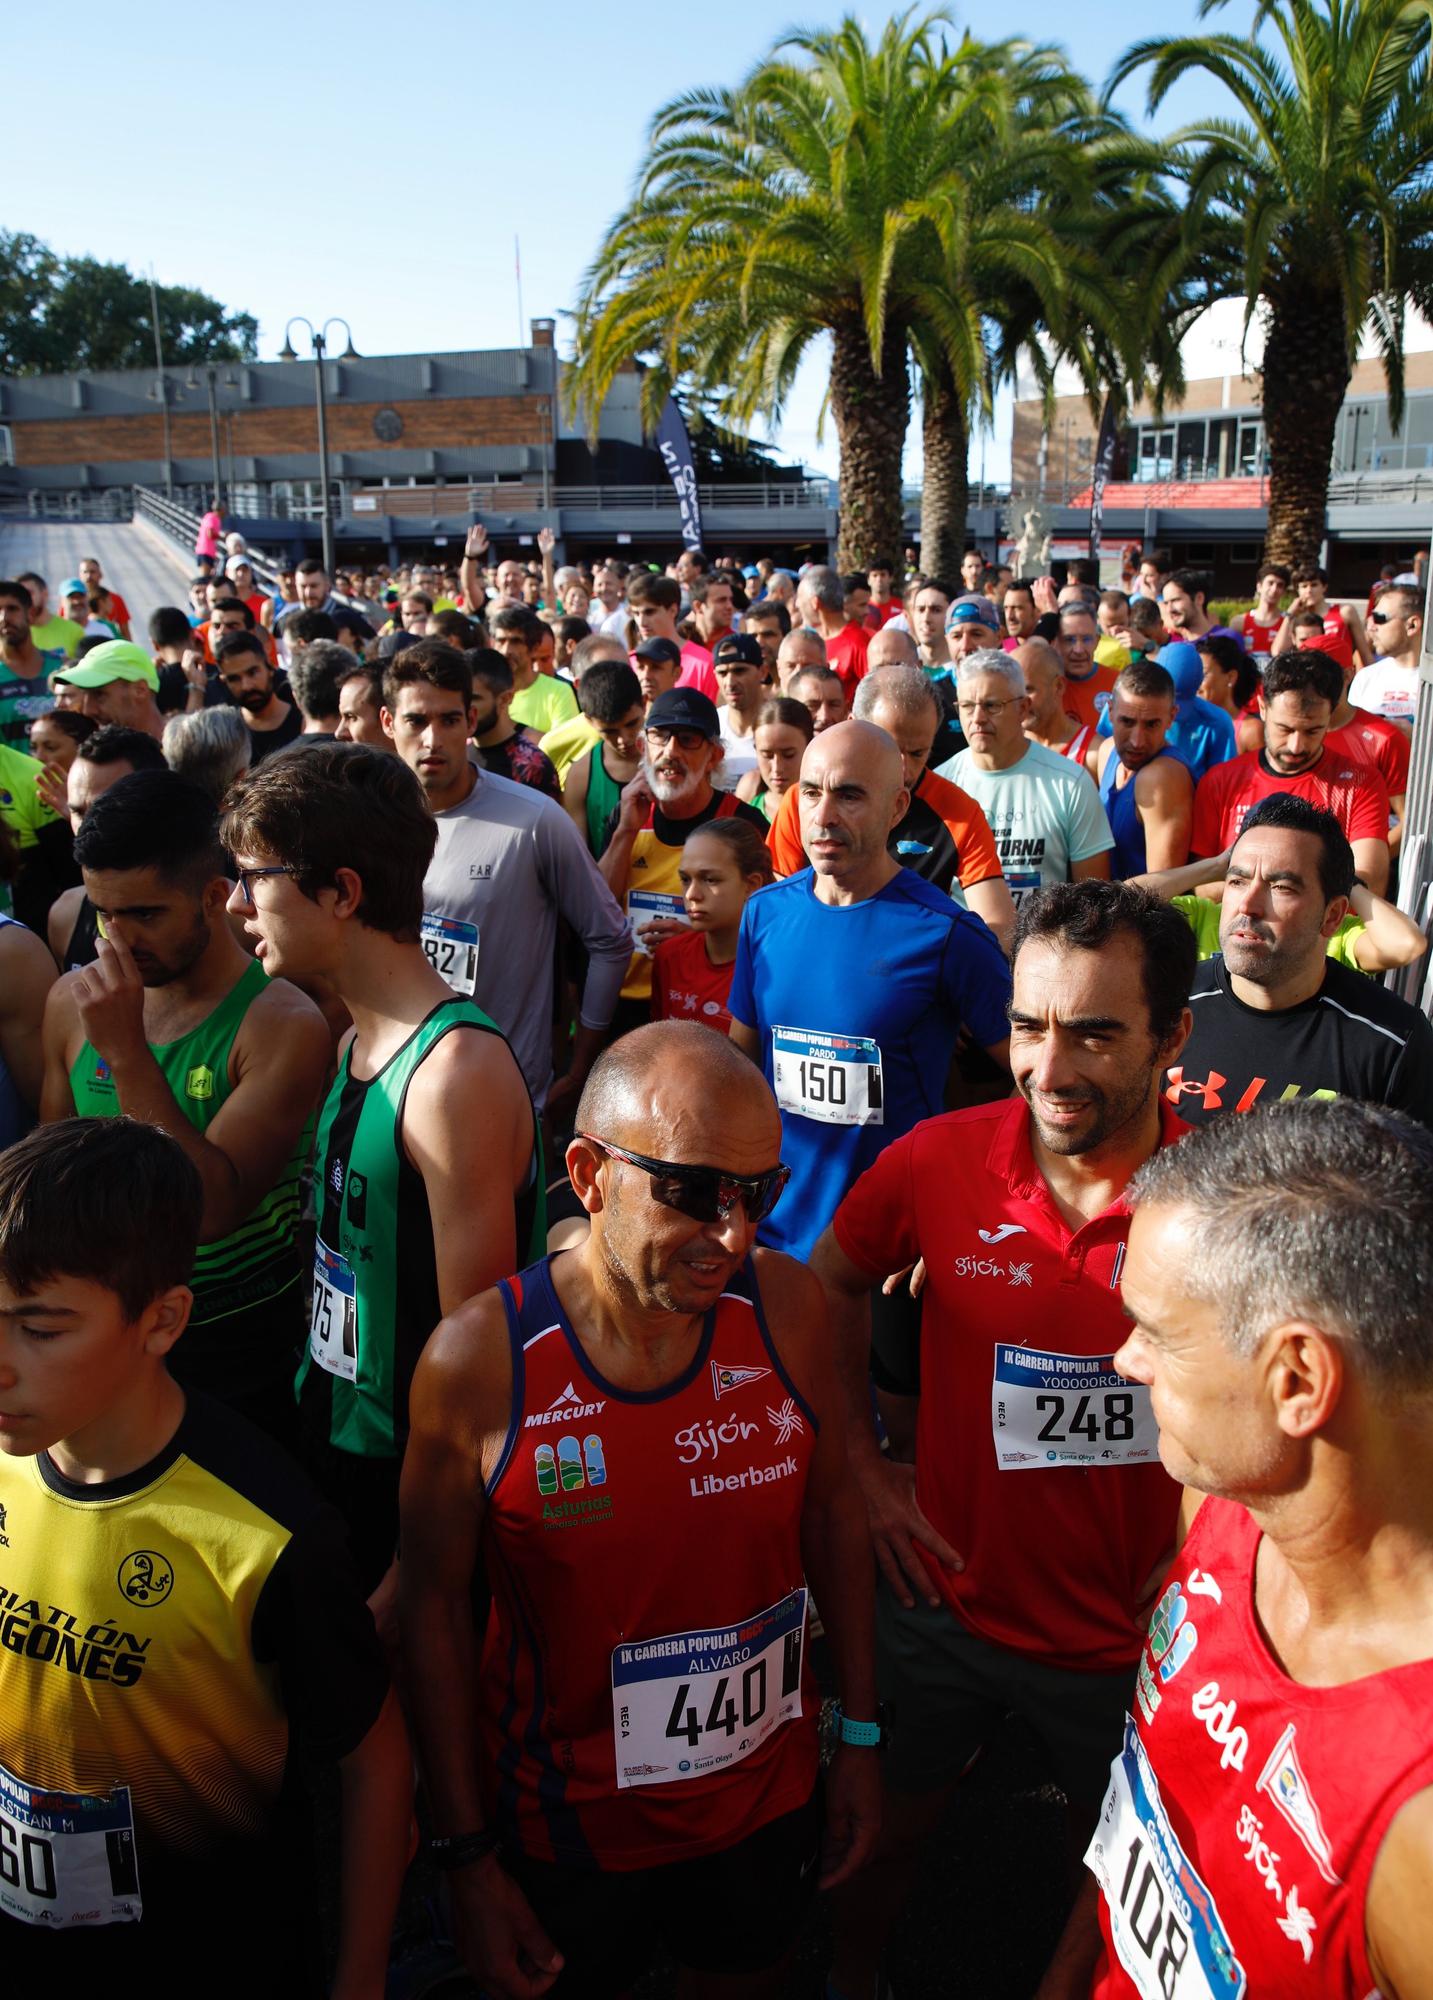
(825, 197)
(1314, 202)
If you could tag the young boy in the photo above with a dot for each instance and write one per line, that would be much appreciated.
(178, 1615)
(610, 696)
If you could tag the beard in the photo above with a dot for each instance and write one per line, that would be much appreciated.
(672, 791)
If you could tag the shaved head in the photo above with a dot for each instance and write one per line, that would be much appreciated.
(676, 1084)
(892, 648)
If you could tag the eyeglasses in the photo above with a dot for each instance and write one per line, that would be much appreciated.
(991, 708)
(705, 1194)
(248, 876)
(689, 740)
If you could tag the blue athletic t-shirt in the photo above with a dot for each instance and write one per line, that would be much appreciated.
(857, 1009)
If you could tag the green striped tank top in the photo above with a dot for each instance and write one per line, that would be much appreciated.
(604, 795)
(246, 1284)
(375, 1293)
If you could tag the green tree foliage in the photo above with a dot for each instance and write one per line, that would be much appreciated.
(61, 314)
(1314, 203)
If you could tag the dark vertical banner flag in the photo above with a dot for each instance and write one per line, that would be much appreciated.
(1104, 465)
(676, 449)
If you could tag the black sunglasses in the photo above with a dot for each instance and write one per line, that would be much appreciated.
(705, 1194)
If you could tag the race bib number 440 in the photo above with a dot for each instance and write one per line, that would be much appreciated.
(692, 1703)
(66, 1859)
(833, 1078)
(1067, 1409)
(1165, 1924)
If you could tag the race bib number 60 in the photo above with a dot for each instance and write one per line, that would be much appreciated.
(1068, 1409)
(833, 1078)
(692, 1703)
(66, 1858)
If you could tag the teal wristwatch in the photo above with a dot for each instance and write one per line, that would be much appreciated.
(861, 1735)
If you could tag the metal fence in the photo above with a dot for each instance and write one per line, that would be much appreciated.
(181, 525)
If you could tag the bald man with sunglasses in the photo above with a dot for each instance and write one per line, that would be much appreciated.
(640, 1441)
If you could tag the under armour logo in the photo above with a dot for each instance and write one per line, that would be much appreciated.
(1210, 1090)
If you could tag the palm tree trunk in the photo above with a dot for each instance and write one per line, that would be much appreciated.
(945, 485)
(871, 413)
(1306, 375)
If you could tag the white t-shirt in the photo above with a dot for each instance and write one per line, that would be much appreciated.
(1044, 811)
(740, 752)
(1386, 689)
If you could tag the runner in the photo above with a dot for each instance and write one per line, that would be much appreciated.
(741, 677)
(502, 750)
(722, 867)
(1043, 810)
(507, 865)
(183, 1628)
(27, 972)
(1259, 627)
(428, 1167)
(101, 761)
(641, 1438)
(1267, 1820)
(610, 696)
(175, 1024)
(1343, 623)
(1047, 722)
(1015, 1560)
(360, 708)
(783, 729)
(1273, 1015)
(1301, 691)
(117, 682)
(671, 796)
(857, 1055)
(25, 666)
(1145, 785)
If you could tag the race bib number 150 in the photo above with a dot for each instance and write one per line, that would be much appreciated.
(835, 1079)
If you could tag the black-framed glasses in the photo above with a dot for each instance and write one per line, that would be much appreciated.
(248, 876)
(705, 1194)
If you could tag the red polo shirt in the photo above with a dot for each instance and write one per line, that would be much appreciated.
(1040, 1466)
(846, 655)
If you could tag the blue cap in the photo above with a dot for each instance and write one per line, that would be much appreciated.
(1182, 663)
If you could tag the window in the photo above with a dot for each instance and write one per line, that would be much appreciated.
(7, 446)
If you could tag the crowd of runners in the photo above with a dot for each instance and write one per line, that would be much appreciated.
(636, 1203)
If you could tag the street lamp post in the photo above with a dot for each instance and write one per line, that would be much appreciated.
(319, 337)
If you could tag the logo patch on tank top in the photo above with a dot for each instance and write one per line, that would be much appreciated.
(724, 1380)
(358, 1200)
(565, 1408)
(199, 1084)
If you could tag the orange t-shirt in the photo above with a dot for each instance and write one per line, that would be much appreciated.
(1085, 699)
(944, 836)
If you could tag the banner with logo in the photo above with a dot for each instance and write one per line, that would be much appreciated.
(1104, 465)
(676, 449)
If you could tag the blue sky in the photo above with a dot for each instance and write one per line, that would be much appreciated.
(376, 161)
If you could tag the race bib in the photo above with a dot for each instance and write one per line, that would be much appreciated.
(1022, 883)
(67, 1858)
(1068, 1409)
(833, 1078)
(333, 1331)
(451, 948)
(1164, 1922)
(697, 1702)
(645, 905)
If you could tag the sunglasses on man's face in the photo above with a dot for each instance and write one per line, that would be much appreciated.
(1382, 617)
(703, 1194)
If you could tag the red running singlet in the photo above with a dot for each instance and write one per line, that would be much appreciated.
(1244, 1816)
(645, 1691)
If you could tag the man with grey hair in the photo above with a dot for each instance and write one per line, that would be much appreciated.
(1271, 1806)
(316, 673)
(821, 604)
(800, 648)
(1044, 811)
(209, 748)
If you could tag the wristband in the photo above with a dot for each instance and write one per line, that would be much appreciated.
(456, 1850)
(860, 1735)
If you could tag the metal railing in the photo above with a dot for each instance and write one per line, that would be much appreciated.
(180, 525)
(516, 496)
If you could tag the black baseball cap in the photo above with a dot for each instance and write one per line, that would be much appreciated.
(663, 652)
(685, 708)
(738, 646)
